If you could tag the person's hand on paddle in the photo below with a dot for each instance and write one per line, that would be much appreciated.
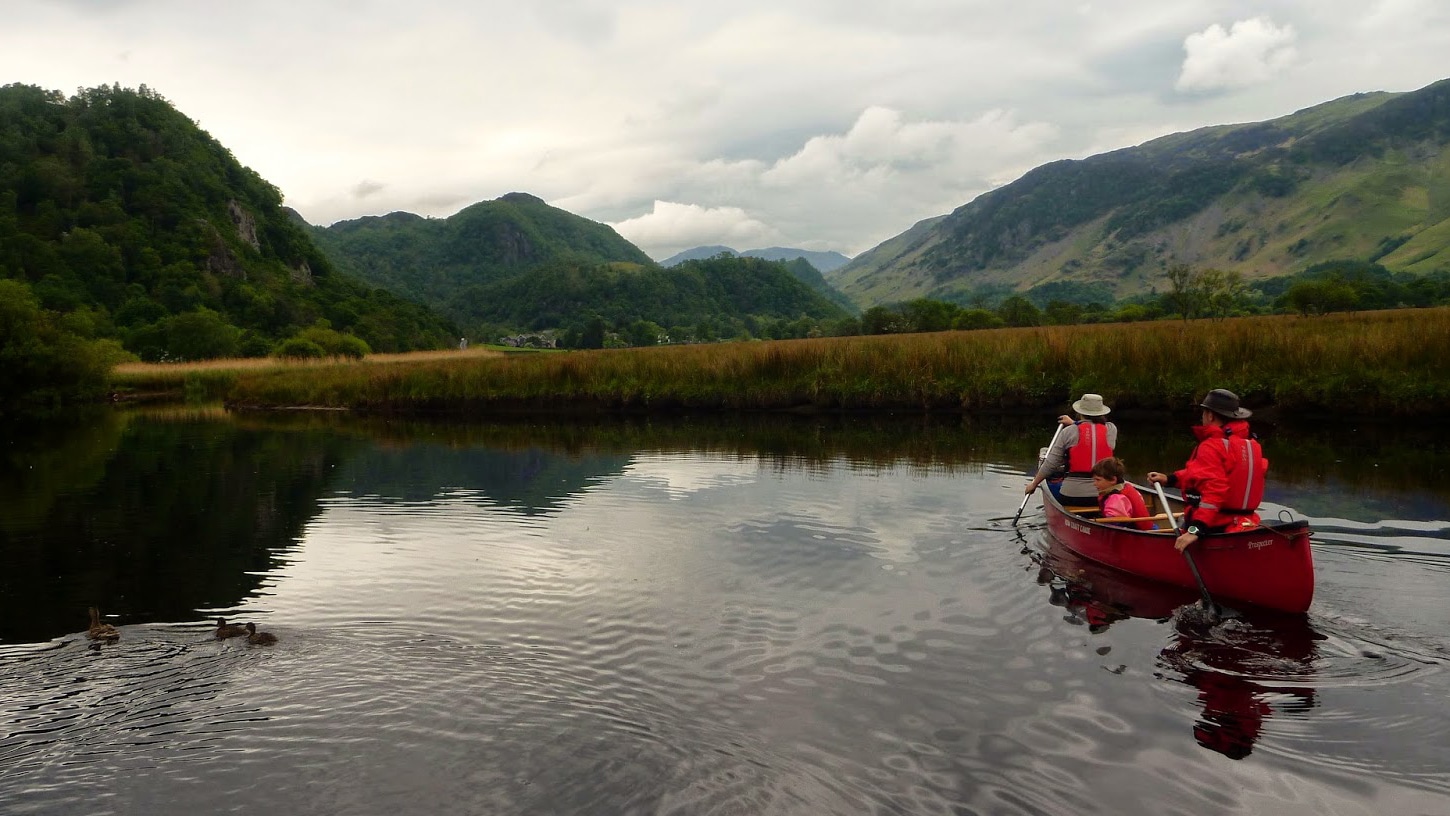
(1185, 541)
(1064, 420)
(1031, 487)
(1158, 478)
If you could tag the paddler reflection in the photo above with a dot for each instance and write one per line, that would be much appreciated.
(1245, 669)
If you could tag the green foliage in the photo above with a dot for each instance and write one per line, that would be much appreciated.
(333, 343)
(298, 348)
(1349, 285)
(114, 203)
(1320, 296)
(1070, 291)
(977, 319)
(1019, 311)
(445, 262)
(43, 367)
(714, 295)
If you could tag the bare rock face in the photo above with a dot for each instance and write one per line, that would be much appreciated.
(302, 273)
(246, 225)
(513, 246)
(220, 260)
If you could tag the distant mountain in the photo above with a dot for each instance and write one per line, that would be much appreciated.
(822, 261)
(519, 263)
(1365, 177)
(699, 253)
(805, 265)
(121, 214)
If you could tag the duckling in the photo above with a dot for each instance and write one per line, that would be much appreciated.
(102, 631)
(226, 630)
(259, 638)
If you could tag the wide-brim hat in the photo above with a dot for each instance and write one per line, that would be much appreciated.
(1225, 403)
(1091, 405)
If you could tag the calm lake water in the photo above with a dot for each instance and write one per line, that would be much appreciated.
(768, 616)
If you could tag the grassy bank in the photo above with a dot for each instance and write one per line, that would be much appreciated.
(1389, 363)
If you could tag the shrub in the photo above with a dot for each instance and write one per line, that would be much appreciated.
(298, 348)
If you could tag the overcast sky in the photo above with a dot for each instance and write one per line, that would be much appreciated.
(819, 124)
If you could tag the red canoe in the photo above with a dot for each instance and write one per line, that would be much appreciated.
(1269, 566)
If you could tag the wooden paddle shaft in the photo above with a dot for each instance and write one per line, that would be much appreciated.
(1117, 519)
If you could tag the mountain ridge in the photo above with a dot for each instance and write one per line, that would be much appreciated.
(822, 261)
(1364, 176)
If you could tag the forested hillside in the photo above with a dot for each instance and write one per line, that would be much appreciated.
(1364, 178)
(122, 219)
(518, 264)
(701, 300)
(449, 262)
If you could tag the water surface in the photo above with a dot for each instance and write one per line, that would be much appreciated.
(763, 616)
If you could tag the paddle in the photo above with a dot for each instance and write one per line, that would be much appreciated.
(1192, 567)
(1021, 506)
(1125, 519)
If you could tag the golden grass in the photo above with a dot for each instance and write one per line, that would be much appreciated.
(1377, 362)
(178, 371)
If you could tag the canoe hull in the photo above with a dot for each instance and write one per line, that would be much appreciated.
(1270, 567)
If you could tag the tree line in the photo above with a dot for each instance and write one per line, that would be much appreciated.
(1187, 293)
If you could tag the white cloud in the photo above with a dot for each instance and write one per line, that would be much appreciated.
(1249, 53)
(671, 227)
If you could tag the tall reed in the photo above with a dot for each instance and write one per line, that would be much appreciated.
(1378, 362)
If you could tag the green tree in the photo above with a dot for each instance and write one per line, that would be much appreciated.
(1019, 311)
(592, 335)
(927, 315)
(977, 319)
(42, 367)
(643, 333)
(1321, 296)
(199, 335)
(1186, 295)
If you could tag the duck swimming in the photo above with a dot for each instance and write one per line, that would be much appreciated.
(102, 631)
(259, 638)
(226, 630)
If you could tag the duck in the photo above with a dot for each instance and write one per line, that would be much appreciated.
(259, 638)
(226, 630)
(104, 632)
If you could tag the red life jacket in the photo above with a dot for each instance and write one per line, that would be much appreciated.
(1092, 446)
(1246, 470)
(1139, 508)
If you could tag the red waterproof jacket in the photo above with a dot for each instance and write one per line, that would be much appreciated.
(1226, 472)
(1135, 501)
(1092, 446)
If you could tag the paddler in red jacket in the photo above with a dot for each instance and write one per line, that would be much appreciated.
(1223, 481)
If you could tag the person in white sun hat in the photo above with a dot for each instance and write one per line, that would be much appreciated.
(1079, 445)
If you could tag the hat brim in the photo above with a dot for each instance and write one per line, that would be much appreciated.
(1079, 408)
(1238, 413)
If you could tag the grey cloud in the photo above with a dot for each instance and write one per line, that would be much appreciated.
(439, 201)
(366, 188)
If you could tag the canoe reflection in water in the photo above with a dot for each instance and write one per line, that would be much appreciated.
(1244, 667)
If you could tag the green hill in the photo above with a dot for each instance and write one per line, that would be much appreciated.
(721, 289)
(447, 262)
(516, 263)
(125, 220)
(1366, 177)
